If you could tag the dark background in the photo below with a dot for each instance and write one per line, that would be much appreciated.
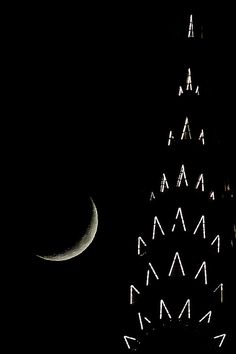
(96, 89)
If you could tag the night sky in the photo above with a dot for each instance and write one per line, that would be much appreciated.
(97, 97)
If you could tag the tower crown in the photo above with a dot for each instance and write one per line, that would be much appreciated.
(186, 237)
(190, 28)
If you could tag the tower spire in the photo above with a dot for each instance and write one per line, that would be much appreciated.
(189, 86)
(185, 238)
(190, 27)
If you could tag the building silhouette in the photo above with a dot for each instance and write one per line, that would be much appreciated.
(181, 292)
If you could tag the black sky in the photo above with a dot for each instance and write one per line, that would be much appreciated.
(97, 88)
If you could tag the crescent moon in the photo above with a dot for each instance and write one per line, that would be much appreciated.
(79, 246)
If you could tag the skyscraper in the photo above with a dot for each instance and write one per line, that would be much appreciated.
(180, 291)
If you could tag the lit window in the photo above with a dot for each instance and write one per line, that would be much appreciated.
(176, 257)
(164, 183)
(206, 316)
(200, 182)
(189, 86)
(221, 288)
(152, 196)
(171, 137)
(162, 305)
(227, 187)
(201, 223)
(128, 339)
(203, 267)
(141, 245)
(186, 305)
(201, 137)
(132, 291)
(182, 175)
(186, 134)
(212, 195)
(180, 91)
(141, 320)
(190, 28)
(156, 222)
(179, 213)
(217, 239)
(222, 336)
(148, 274)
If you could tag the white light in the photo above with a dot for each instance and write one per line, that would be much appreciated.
(189, 312)
(208, 316)
(152, 196)
(203, 223)
(179, 212)
(227, 187)
(181, 175)
(201, 137)
(148, 274)
(221, 336)
(164, 183)
(200, 180)
(212, 195)
(217, 238)
(162, 304)
(156, 222)
(221, 287)
(140, 240)
(180, 264)
(147, 277)
(132, 289)
(141, 321)
(180, 91)
(203, 266)
(186, 133)
(171, 137)
(126, 338)
(190, 28)
(189, 86)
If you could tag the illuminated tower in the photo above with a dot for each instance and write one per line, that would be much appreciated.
(179, 297)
